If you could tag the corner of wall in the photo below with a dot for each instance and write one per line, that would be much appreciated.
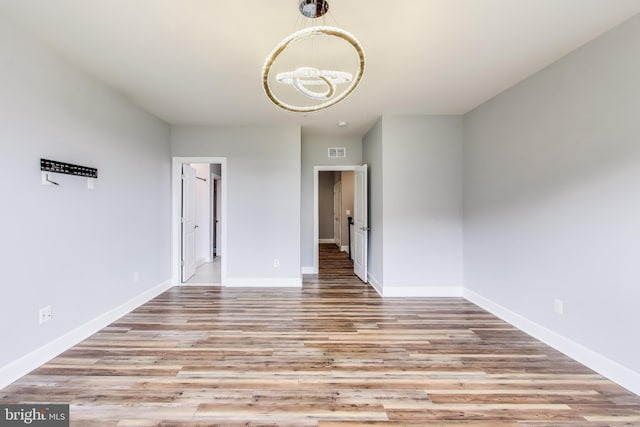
(20, 367)
(606, 367)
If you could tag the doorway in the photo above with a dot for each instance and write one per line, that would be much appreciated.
(198, 221)
(333, 224)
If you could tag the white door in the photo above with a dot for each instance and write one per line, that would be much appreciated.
(219, 217)
(337, 209)
(188, 222)
(360, 222)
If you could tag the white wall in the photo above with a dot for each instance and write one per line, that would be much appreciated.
(415, 167)
(263, 197)
(552, 207)
(67, 246)
(203, 212)
(314, 153)
(422, 186)
(325, 204)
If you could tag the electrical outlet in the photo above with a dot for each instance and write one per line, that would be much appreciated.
(558, 306)
(276, 263)
(44, 315)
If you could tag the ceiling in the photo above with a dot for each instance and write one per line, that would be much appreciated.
(199, 61)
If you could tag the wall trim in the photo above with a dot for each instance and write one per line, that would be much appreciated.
(344, 248)
(263, 282)
(422, 291)
(604, 366)
(309, 270)
(375, 284)
(200, 285)
(327, 241)
(27, 363)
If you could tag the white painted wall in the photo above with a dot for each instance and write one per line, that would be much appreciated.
(204, 206)
(415, 167)
(263, 197)
(422, 187)
(552, 207)
(314, 153)
(67, 246)
(325, 205)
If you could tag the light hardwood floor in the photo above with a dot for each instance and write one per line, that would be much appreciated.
(330, 354)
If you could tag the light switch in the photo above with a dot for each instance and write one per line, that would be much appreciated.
(348, 212)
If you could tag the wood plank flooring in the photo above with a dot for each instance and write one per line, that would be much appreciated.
(332, 354)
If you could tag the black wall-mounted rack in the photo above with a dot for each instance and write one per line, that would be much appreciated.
(67, 168)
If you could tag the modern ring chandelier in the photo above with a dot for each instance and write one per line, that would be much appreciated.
(315, 67)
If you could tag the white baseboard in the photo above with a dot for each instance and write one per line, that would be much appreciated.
(259, 282)
(27, 363)
(199, 285)
(327, 241)
(606, 367)
(344, 248)
(374, 283)
(309, 270)
(422, 291)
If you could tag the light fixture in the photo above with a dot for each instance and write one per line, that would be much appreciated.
(315, 67)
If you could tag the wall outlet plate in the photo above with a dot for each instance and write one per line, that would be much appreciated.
(44, 314)
(558, 306)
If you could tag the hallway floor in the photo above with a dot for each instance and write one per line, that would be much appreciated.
(208, 273)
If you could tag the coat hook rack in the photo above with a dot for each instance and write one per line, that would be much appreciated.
(53, 166)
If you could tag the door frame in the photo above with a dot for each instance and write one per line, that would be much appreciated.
(316, 217)
(176, 201)
(216, 192)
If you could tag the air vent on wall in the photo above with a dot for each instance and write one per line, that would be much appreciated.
(335, 152)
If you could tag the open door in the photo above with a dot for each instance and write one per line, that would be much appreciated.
(360, 223)
(188, 222)
(214, 219)
(337, 208)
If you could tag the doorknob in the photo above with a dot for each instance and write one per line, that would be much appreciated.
(196, 226)
(365, 228)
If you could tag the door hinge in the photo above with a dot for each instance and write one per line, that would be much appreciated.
(181, 263)
(182, 220)
(182, 177)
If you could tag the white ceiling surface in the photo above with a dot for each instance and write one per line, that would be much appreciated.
(199, 61)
